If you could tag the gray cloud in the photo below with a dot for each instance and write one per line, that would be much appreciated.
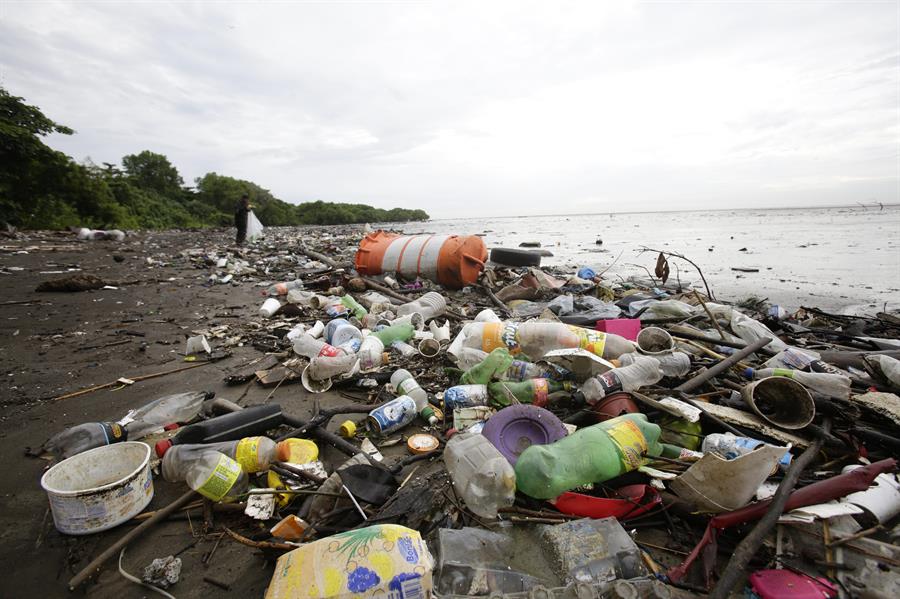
(481, 108)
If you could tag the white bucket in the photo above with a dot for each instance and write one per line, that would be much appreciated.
(100, 488)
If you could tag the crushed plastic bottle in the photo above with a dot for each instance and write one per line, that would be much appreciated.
(674, 364)
(643, 371)
(481, 476)
(829, 385)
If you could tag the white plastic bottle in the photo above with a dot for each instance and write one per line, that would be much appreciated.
(405, 384)
(673, 364)
(214, 475)
(481, 476)
(829, 385)
(254, 454)
(643, 371)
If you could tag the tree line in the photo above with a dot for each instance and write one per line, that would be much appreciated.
(42, 188)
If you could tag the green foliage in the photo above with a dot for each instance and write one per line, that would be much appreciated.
(43, 188)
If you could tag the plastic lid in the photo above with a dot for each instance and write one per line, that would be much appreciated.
(422, 443)
(162, 447)
(348, 429)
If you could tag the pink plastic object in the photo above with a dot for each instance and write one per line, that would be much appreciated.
(624, 327)
(785, 584)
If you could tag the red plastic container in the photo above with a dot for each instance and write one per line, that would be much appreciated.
(624, 327)
(786, 584)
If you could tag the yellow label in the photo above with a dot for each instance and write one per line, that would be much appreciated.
(247, 454)
(492, 337)
(221, 480)
(631, 443)
(592, 341)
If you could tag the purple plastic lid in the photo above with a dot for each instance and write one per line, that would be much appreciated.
(514, 429)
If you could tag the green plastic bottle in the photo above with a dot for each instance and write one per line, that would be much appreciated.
(533, 391)
(395, 332)
(593, 454)
(497, 362)
(355, 308)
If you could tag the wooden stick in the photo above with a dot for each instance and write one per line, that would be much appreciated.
(136, 379)
(160, 515)
(708, 313)
(259, 544)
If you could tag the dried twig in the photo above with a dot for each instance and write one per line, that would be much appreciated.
(686, 259)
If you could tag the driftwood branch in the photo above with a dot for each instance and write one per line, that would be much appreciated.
(709, 293)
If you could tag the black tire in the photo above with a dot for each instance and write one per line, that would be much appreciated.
(515, 257)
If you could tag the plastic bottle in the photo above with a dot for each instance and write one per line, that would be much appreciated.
(397, 332)
(593, 454)
(405, 384)
(533, 391)
(181, 407)
(254, 454)
(283, 288)
(431, 305)
(405, 349)
(304, 345)
(236, 425)
(535, 339)
(730, 446)
(465, 396)
(830, 385)
(495, 364)
(215, 476)
(481, 476)
(392, 416)
(672, 364)
(643, 371)
(353, 306)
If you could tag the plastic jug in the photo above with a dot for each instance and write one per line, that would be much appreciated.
(481, 476)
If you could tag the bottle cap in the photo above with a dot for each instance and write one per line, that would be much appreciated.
(748, 373)
(171, 427)
(348, 429)
(162, 447)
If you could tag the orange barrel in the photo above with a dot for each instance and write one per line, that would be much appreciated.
(454, 261)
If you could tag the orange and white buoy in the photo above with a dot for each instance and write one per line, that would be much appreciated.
(454, 261)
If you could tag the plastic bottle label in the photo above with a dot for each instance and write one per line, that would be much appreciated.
(610, 382)
(222, 478)
(329, 351)
(407, 385)
(498, 334)
(592, 341)
(115, 433)
(247, 454)
(783, 372)
(631, 443)
(541, 392)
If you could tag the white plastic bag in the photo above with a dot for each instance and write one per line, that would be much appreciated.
(254, 227)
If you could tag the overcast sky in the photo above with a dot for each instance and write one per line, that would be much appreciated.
(483, 108)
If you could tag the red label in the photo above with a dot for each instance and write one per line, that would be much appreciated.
(541, 392)
(330, 351)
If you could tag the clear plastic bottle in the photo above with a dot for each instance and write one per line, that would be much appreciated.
(465, 396)
(254, 454)
(673, 364)
(216, 476)
(481, 476)
(533, 391)
(405, 384)
(643, 371)
(829, 385)
(181, 407)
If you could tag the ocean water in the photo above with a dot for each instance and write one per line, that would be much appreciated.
(844, 259)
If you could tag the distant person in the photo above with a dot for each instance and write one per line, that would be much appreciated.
(240, 218)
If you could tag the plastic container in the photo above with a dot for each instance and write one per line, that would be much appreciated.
(730, 447)
(254, 454)
(100, 488)
(481, 476)
(615, 405)
(371, 353)
(305, 345)
(451, 260)
(283, 288)
(339, 332)
(514, 429)
(429, 348)
(674, 363)
(269, 307)
(655, 341)
(353, 306)
(404, 349)
(392, 416)
(594, 454)
(431, 305)
(487, 315)
(830, 385)
(643, 371)
(236, 425)
(465, 396)
(441, 334)
(627, 328)
(781, 401)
